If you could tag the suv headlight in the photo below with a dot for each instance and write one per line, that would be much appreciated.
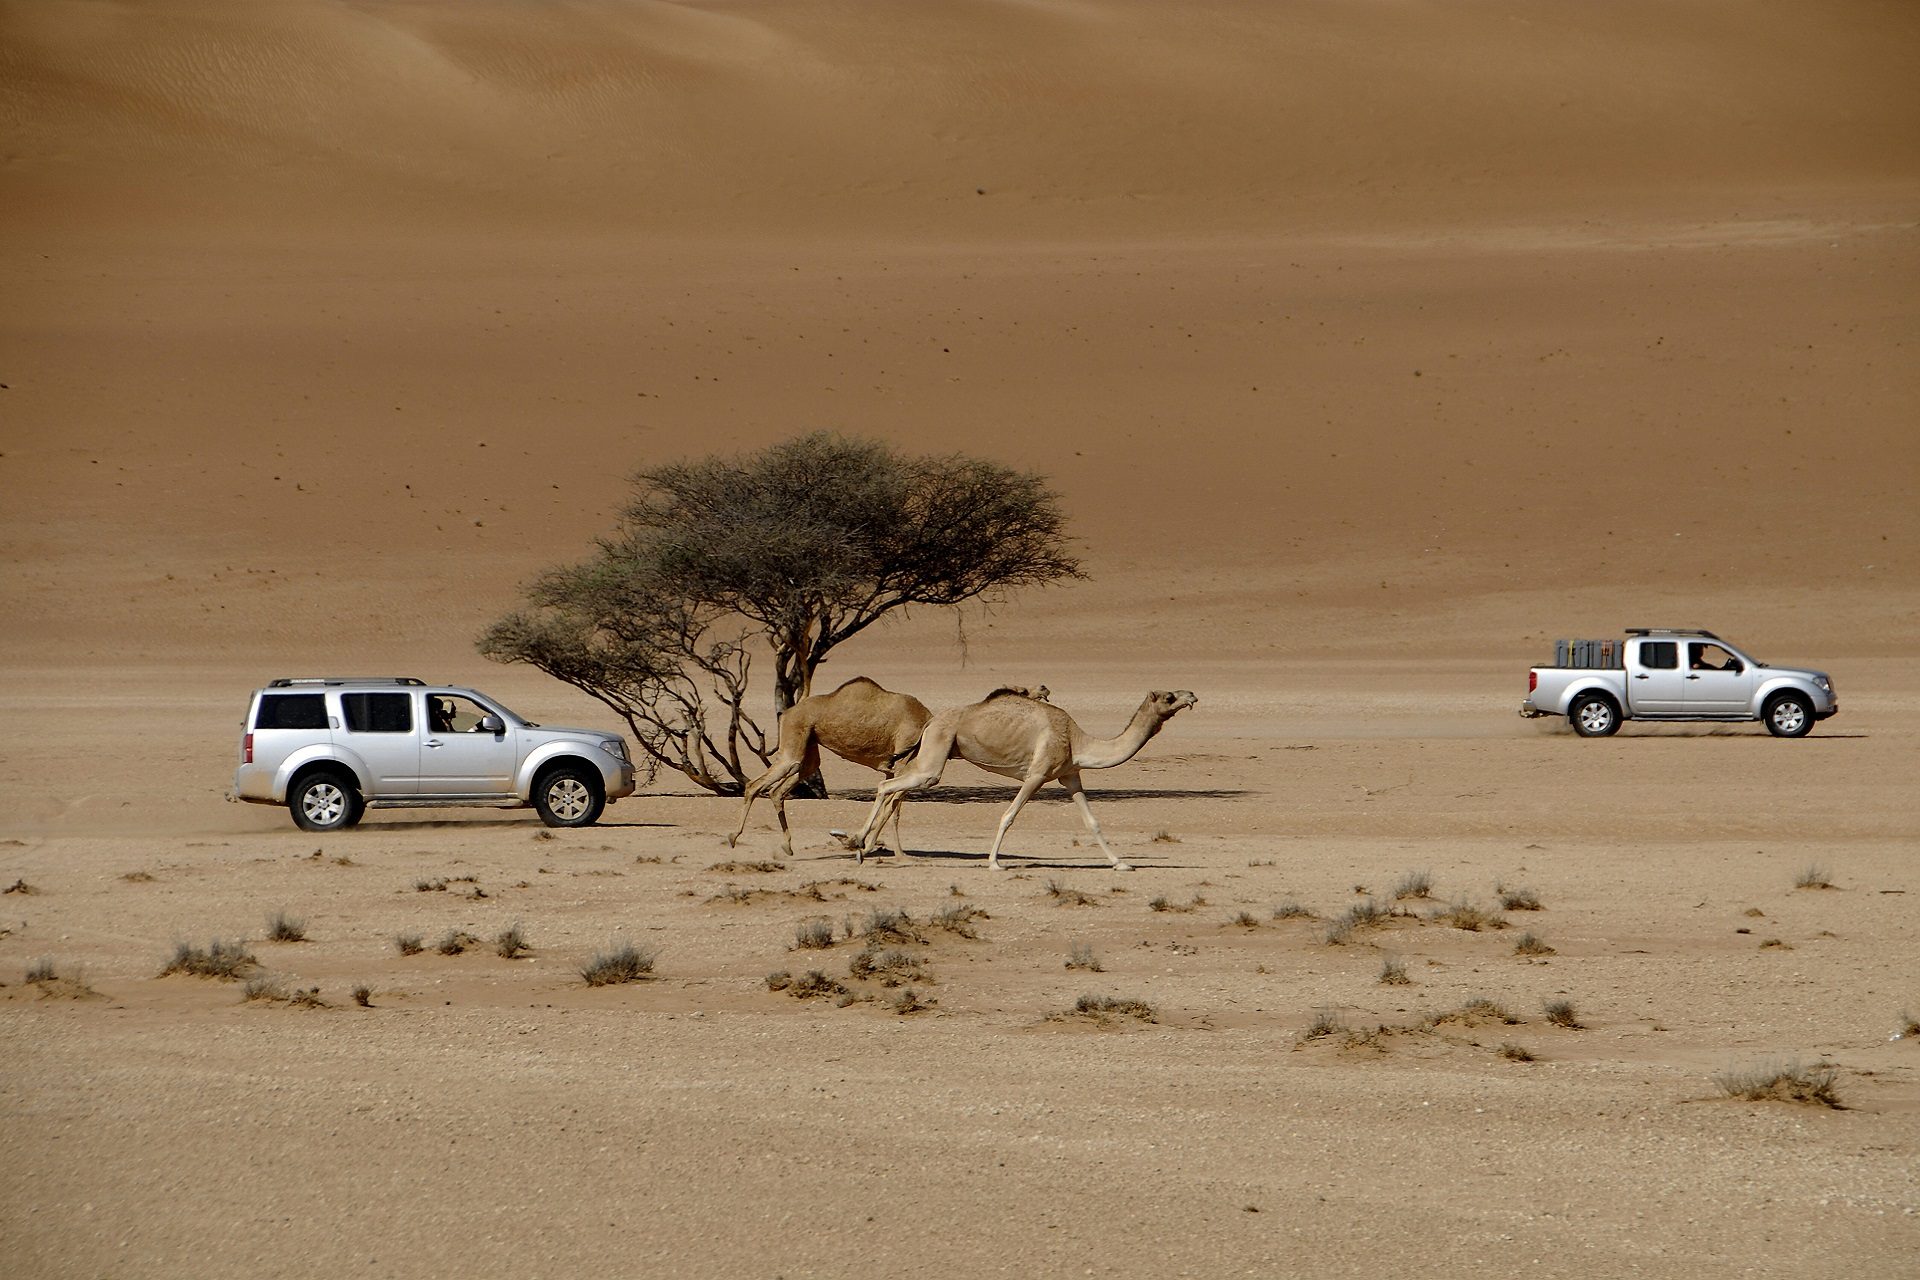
(615, 747)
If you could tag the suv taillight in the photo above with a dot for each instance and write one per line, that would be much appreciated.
(1533, 686)
(248, 750)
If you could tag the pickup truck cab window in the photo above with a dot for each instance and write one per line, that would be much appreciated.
(1711, 657)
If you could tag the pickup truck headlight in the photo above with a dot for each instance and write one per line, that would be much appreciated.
(615, 747)
(1826, 685)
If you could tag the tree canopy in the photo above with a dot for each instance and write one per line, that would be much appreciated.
(802, 545)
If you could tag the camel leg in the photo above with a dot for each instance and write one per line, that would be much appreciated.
(886, 804)
(899, 845)
(755, 789)
(1033, 783)
(1072, 781)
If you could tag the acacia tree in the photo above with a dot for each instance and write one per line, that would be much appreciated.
(802, 546)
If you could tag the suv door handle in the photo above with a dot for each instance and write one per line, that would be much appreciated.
(435, 742)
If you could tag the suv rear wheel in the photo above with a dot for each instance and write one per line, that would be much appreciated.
(325, 801)
(569, 795)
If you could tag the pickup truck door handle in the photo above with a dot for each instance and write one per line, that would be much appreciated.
(1643, 676)
(1693, 677)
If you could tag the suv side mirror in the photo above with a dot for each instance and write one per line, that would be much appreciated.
(492, 724)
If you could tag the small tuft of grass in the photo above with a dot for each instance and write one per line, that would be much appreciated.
(1325, 1023)
(1529, 944)
(745, 868)
(624, 963)
(510, 943)
(1782, 1082)
(1106, 1009)
(1519, 899)
(1065, 897)
(1369, 914)
(1754, 912)
(363, 996)
(1393, 972)
(138, 877)
(1291, 910)
(1560, 1013)
(909, 1002)
(282, 927)
(1775, 944)
(307, 998)
(814, 934)
(1414, 884)
(1163, 836)
(888, 925)
(1464, 915)
(1162, 903)
(1244, 920)
(21, 887)
(409, 944)
(1813, 877)
(1339, 933)
(1909, 1026)
(1478, 1009)
(265, 987)
(455, 942)
(812, 985)
(223, 960)
(958, 919)
(42, 970)
(1080, 956)
(429, 886)
(543, 834)
(1516, 1053)
(891, 968)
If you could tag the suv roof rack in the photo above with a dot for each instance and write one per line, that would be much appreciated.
(1671, 631)
(287, 682)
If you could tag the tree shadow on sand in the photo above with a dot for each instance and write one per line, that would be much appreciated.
(1052, 794)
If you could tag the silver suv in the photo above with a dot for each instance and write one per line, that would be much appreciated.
(328, 748)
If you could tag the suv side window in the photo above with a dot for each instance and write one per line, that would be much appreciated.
(378, 712)
(291, 711)
(1659, 655)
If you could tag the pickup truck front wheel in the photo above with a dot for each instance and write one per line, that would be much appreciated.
(569, 796)
(1594, 716)
(1788, 716)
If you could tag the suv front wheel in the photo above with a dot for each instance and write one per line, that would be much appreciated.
(325, 802)
(569, 796)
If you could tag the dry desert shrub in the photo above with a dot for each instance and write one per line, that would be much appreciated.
(1080, 956)
(1339, 933)
(1164, 836)
(891, 968)
(1414, 884)
(812, 985)
(1108, 1009)
(363, 996)
(1909, 1026)
(1560, 1013)
(1064, 897)
(739, 897)
(265, 987)
(889, 925)
(1813, 877)
(1325, 1023)
(1782, 1082)
(909, 1002)
(624, 963)
(1516, 1053)
(223, 960)
(409, 944)
(1475, 1011)
(1517, 899)
(745, 868)
(1291, 910)
(1162, 903)
(1244, 920)
(20, 886)
(138, 877)
(958, 920)
(815, 934)
(455, 942)
(1530, 945)
(282, 927)
(1369, 914)
(1393, 972)
(1464, 915)
(510, 943)
(429, 886)
(42, 970)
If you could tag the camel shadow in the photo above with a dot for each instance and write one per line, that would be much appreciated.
(1008, 861)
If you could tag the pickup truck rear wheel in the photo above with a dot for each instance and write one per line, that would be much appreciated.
(569, 795)
(1788, 715)
(1594, 716)
(325, 801)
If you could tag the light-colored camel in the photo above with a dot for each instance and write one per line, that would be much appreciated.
(1020, 737)
(860, 722)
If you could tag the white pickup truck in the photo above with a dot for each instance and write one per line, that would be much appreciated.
(1675, 674)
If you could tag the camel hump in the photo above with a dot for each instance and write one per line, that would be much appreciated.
(859, 680)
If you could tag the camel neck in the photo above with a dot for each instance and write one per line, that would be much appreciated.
(1104, 753)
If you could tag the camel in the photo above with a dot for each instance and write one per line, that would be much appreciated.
(1019, 737)
(860, 722)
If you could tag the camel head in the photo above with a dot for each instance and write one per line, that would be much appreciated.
(1168, 705)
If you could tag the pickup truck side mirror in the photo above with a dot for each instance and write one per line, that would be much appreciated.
(492, 724)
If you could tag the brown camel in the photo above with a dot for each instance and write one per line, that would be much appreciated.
(860, 722)
(1020, 737)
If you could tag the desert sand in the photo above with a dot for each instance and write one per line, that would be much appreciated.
(1371, 347)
